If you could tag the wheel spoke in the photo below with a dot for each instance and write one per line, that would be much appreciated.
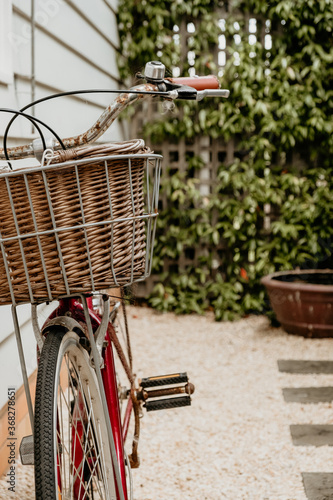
(95, 459)
(92, 436)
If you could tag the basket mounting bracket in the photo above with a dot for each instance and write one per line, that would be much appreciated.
(100, 332)
(38, 147)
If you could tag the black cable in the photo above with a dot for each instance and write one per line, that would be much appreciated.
(33, 120)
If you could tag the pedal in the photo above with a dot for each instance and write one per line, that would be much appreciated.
(175, 378)
(155, 399)
(27, 450)
(165, 404)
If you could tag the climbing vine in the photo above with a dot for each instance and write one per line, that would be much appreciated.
(272, 206)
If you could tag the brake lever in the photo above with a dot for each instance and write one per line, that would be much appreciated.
(184, 92)
(201, 94)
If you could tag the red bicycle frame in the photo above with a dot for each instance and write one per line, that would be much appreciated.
(74, 308)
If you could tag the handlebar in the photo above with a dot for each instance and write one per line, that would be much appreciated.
(195, 88)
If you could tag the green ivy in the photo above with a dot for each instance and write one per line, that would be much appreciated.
(272, 208)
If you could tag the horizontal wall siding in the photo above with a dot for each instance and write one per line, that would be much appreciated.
(75, 48)
(102, 19)
(80, 39)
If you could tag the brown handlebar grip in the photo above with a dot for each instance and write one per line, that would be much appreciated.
(197, 82)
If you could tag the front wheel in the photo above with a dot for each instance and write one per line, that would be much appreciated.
(72, 451)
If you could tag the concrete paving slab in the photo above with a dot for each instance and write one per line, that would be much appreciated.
(312, 435)
(307, 395)
(305, 366)
(318, 485)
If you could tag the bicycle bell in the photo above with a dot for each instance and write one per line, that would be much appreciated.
(154, 71)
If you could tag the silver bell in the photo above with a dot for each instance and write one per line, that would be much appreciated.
(155, 71)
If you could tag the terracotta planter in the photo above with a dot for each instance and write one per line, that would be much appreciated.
(302, 301)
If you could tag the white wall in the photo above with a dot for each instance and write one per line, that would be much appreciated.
(76, 42)
(10, 371)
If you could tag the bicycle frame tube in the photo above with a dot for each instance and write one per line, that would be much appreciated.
(74, 308)
(128, 413)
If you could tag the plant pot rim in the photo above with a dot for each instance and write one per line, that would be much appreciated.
(271, 282)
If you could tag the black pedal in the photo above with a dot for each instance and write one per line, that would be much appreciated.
(175, 378)
(154, 391)
(165, 404)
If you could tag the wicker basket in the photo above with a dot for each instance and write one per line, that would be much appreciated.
(85, 224)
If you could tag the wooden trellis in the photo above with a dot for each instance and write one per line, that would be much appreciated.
(213, 152)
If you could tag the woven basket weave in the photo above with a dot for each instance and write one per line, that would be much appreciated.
(93, 214)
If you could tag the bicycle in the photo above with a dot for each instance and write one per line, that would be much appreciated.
(81, 223)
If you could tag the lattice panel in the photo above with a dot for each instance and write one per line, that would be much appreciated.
(213, 152)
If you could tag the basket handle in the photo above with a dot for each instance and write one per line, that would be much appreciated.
(136, 146)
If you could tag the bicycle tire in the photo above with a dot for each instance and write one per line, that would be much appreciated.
(72, 451)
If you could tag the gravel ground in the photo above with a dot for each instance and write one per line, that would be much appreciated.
(234, 442)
